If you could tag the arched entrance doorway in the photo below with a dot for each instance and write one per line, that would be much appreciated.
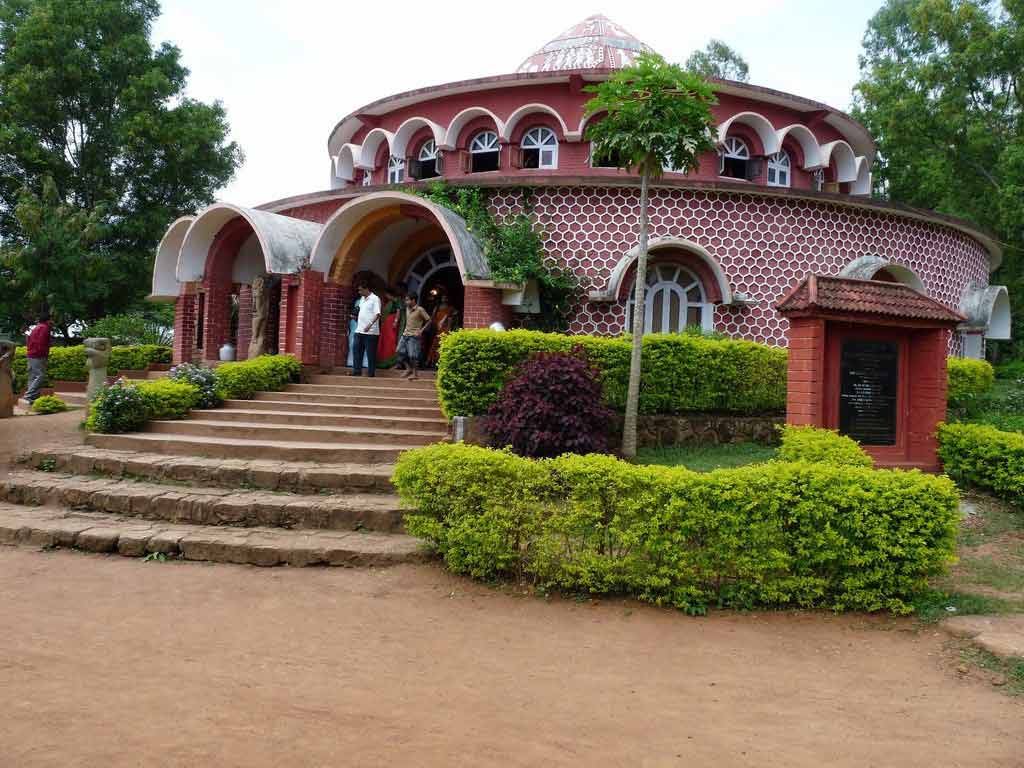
(433, 275)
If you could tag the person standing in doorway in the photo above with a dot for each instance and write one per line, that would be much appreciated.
(38, 354)
(417, 320)
(367, 332)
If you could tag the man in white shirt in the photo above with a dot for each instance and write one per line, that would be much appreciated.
(367, 332)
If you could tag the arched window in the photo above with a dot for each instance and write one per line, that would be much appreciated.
(396, 170)
(540, 148)
(427, 160)
(367, 178)
(674, 300)
(484, 152)
(734, 159)
(779, 170)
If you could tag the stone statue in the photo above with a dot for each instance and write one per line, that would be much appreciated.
(260, 315)
(97, 357)
(6, 379)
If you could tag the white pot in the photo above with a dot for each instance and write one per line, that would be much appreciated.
(227, 353)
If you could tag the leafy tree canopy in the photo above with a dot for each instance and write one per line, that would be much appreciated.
(940, 90)
(719, 60)
(87, 102)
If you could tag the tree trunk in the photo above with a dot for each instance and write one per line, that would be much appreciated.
(629, 425)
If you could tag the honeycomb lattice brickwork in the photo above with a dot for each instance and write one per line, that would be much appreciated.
(764, 245)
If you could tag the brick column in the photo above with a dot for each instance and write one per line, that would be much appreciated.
(928, 382)
(217, 320)
(335, 301)
(282, 326)
(244, 322)
(311, 284)
(483, 306)
(805, 395)
(184, 326)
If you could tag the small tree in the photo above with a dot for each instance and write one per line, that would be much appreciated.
(657, 116)
(719, 60)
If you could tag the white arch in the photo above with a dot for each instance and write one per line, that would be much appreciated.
(466, 249)
(531, 109)
(987, 308)
(284, 241)
(762, 127)
(371, 145)
(347, 161)
(808, 144)
(862, 185)
(614, 285)
(165, 267)
(846, 160)
(866, 267)
(462, 119)
(400, 143)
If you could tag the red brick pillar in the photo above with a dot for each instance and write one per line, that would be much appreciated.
(805, 396)
(244, 322)
(334, 303)
(285, 328)
(928, 380)
(217, 329)
(311, 284)
(483, 306)
(184, 327)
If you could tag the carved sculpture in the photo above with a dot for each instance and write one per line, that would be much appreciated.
(260, 315)
(6, 379)
(97, 357)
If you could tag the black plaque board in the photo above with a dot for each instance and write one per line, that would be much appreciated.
(868, 391)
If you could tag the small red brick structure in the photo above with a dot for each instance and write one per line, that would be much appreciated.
(868, 358)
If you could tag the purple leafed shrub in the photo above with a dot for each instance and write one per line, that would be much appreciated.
(554, 405)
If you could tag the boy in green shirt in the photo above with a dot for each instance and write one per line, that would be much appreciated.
(417, 320)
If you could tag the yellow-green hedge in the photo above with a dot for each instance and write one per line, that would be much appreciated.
(774, 534)
(968, 379)
(823, 445)
(68, 363)
(241, 380)
(984, 457)
(680, 373)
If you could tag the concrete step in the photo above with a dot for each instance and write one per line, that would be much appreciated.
(348, 401)
(302, 404)
(392, 383)
(206, 505)
(73, 398)
(156, 374)
(314, 417)
(295, 477)
(356, 452)
(50, 527)
(382, 373)
(291, 433)
(365, 394)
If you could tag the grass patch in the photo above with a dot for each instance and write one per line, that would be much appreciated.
(1001, 407)
(1002, 575)
(933, 605)
(705, 458)
(1010, 669)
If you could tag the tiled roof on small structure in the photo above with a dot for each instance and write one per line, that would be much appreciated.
(597, 42)
(864, 297)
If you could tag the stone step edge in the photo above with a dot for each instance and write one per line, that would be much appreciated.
(53, 528)
(204, 506)
(262, 474)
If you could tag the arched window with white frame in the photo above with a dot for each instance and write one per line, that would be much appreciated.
(734, 159)
(427, 158)
(675, 300)
(367, 178)
(779, 170)
(396, 170)
(484, 152)
(539, 148)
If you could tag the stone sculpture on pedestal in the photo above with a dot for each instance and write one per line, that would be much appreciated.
(260, 315)
(6, 379)
(97, 357)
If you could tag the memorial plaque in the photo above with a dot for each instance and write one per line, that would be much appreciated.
(868, 392)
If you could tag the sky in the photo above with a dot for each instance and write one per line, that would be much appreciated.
(287, 72)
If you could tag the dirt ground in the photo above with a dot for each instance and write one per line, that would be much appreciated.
(28, 431)
(118, 662)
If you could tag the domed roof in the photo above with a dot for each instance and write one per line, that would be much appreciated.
(597, 42)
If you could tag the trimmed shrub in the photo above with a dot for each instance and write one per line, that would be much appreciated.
(780, 534)
(49, 404)
(1014, 369)
(553, 406)
(821, 445)
(167, 399)
(980, 456)
(203, 378)
(968, 379)
(240, 381)
(680, 372)
(117, 408)
(68, 363)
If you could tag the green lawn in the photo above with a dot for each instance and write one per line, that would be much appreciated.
(1002, 407)
(704, 458)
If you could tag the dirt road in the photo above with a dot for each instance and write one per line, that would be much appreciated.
(106, 661)
(23, 432)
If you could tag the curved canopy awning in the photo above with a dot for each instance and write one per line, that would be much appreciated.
(987, 309)
(165, 282)
(868, 267)
(613, 288)
(468, 253)
(286, 242)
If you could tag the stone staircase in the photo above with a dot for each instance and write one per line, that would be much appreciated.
(296, 477)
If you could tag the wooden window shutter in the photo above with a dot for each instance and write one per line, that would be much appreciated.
(754, 166)
(516, 154)
(413, 168)
(721, 163)
(439, 163)
(467, 161)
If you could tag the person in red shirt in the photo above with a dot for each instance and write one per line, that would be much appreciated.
(38, 354)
